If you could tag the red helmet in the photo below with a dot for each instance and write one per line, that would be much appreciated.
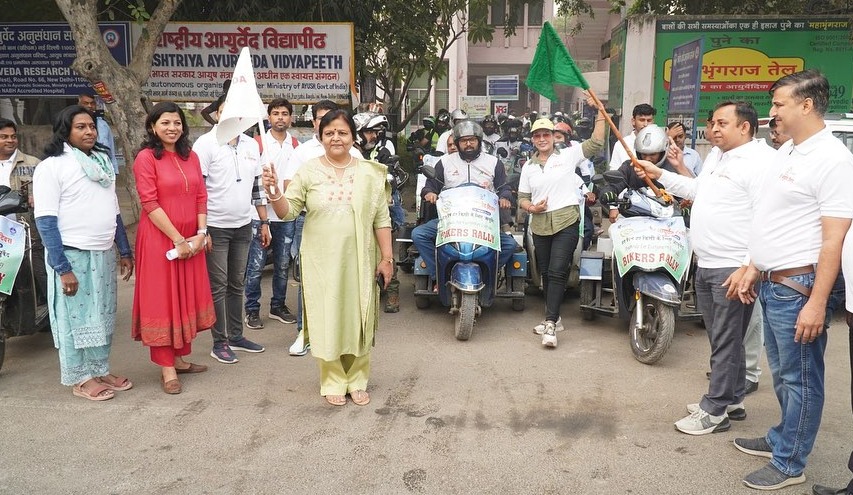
(564, 128)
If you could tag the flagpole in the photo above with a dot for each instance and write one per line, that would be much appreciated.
(658, 192)
(263, 136)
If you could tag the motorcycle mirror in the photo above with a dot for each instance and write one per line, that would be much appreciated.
(502, 152)
(429, 171)
(5, 189)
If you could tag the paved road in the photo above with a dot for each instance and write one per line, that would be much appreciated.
(497, 414)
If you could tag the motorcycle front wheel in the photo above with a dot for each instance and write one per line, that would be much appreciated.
(650, 342)
(465, 317)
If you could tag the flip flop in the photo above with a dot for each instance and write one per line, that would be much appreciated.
(360, 397)
(337, 400)
(115, 383)
(94, 392)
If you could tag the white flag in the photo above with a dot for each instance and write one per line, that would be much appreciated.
(243, 106)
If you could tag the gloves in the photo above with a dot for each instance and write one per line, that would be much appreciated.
(609, 197)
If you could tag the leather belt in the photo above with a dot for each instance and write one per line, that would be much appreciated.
(781, 277)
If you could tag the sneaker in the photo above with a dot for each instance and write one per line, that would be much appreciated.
(700, 422)
(735, 412)
(245, 345)
(770, 478)
(750, 387)
(754, 446)
(282, 314)
(549, 336)
(540, 328)
(299, 347)
(222, 353)
(253, 320)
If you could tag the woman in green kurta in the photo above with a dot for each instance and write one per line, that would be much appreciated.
(346, 244)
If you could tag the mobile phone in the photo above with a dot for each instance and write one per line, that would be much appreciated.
(380, 281)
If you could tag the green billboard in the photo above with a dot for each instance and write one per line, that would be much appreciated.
(744, 56)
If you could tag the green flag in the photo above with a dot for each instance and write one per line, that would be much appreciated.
(552, 64)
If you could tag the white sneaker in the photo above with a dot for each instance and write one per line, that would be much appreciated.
(735, 412)
(299, 348)
(540, 328)
(549, 335)
(701, 423)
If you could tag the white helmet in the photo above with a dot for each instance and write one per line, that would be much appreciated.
(652, 139)
(369, 121)
(458, 115)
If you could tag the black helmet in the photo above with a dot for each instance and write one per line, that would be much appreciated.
(442, 121)
(490, 124)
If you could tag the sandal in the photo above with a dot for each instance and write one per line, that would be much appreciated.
(360, 397)
(115, 383)
(97, 391)
(337, 400)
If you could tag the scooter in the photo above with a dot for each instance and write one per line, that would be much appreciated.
(467, 251)
(21, 312)
(642, 272)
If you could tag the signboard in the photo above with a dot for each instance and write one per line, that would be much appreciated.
(476, 107)
(651, 243)
(502, 87)
(745, 56)
(468, 214)
(302, 62)
(35, 59)
(501, 108)
(13, 241)
(686, 74)
(617, 66)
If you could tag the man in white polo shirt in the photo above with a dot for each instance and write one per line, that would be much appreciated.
(232, 174)
(642, 115)
(724, 195)
(795, 242)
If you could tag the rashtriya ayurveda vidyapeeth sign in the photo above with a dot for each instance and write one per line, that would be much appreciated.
(301, 62)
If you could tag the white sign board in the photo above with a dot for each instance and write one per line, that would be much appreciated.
(301, 62)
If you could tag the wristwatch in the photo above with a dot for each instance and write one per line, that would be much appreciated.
(265, 222)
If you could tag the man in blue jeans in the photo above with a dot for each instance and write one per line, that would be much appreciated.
(795, 246)
(278, 146)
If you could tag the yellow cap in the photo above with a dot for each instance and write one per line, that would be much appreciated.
(542, 124)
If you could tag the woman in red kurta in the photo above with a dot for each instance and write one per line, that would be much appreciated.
(172, 299)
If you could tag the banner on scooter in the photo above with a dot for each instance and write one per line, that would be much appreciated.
(651, 243)
(468, 214)
(13, 243)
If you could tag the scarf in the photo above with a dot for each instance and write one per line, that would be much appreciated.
(97, 166)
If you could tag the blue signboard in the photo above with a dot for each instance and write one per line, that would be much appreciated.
(502, 87)
(686, 78)
(35, 59)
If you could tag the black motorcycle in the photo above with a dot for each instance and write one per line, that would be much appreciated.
(24, 311)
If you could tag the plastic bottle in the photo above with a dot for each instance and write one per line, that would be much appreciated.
(173, 253)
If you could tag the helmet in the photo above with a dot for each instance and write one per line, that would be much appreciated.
(583, 127)
(501, 119)
(563, 127)
(542, 123)
(369, 121)
(442, 122)
(652, 139)
(464, 129)
(428, 122)
(458, 114)
(490, 124)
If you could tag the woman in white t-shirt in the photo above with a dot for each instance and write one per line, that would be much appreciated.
(551, 191)
(77, 215)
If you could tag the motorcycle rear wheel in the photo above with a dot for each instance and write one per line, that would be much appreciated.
(465, 317)
(651, 342)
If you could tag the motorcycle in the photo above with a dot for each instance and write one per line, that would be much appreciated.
(467, 252)
(21, 311)
(643, 272)
(407, 253)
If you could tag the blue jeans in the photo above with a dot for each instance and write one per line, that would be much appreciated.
(294, 251)
(423, 237)
(282, 237)
(797, 369)
(398, 214)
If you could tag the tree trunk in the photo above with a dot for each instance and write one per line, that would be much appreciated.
(95, 63)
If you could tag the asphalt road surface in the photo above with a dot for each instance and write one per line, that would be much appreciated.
(497, 414)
